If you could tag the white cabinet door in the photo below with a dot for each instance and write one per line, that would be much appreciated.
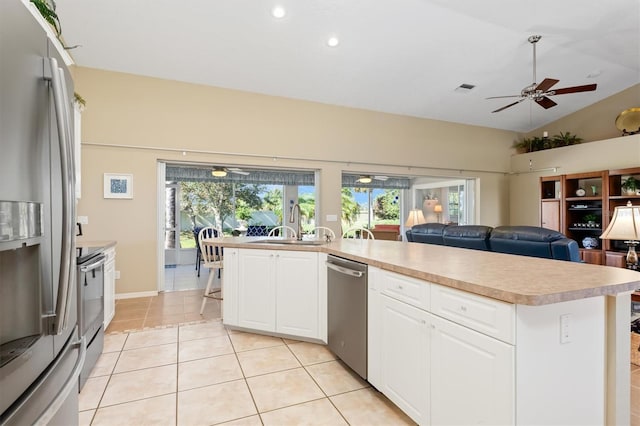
(109, 286)
(297, 293)
(256, 290)
(472, 377)
(230, 286)
(404, 350)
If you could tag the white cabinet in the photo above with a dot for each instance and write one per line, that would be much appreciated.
(404, 357)
(439, 372)
(274, 290)
(109, 285)
(297, 293)
(256, 290)
(472, 377)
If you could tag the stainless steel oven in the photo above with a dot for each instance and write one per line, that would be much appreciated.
(90, 275)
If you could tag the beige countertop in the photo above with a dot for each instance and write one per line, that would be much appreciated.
(98, 243)
(510, 278)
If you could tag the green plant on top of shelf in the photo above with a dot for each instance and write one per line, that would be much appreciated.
(630, 185)
(538, 144)
(589, 217)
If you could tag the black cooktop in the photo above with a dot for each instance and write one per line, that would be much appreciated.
(84, 254)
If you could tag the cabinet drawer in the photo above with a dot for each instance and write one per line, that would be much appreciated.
(488, 316)
(410, 290)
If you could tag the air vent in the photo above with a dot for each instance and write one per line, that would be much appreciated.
(464, 87)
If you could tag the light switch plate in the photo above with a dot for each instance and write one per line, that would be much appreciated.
(332, 218)
(83, 220)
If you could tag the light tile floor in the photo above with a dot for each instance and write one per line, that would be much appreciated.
(180, 303)
(204, 374)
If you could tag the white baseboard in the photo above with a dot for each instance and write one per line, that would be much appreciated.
(136, 294)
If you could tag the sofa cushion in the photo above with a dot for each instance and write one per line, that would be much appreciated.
(430, 233)
(467, 236)
(531, 241)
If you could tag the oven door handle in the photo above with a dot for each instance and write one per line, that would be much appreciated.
(94, 265)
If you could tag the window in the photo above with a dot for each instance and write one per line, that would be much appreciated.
(375, 203)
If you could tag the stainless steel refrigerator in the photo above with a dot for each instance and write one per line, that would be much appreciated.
(41, 352)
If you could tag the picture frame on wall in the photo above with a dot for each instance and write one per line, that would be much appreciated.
(118, 185)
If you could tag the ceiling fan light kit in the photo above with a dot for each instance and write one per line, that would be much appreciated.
(539, 93)
(218, 172)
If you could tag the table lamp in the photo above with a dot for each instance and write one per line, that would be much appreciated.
(415, 217)
(438, 209)
(625, 225)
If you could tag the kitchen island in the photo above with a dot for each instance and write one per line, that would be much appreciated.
(524, 340)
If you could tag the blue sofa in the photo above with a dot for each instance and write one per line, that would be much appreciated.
(521, 240)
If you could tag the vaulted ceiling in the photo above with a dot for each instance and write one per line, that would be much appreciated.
(399, 56)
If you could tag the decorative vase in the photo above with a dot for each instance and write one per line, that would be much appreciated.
(590, 242)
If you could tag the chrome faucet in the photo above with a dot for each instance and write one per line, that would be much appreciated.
(292, 219)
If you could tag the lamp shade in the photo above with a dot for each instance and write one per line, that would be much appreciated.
(438, 208)
(415, 217)
(624, 225)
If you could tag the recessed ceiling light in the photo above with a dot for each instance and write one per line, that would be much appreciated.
(333, 41)
(594, 74)
(278, 12)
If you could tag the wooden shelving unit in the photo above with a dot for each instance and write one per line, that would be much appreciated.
(566, 209)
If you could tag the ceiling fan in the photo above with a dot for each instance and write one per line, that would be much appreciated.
(223, 171)
(540, 93)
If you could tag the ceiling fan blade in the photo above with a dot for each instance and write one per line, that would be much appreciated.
(575, 89)
(238, 172)
(508, 106)
(546, 84)
(500, 97)
(380, 177)
(545, 102)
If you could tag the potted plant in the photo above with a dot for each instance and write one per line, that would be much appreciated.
(565, 139)
(590, 219)
(630, 185)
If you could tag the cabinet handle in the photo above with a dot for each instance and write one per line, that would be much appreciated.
(423, 321)
(463, 308)
(399, 287)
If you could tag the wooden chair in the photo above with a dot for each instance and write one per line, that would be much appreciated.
(211, 250)
(286, 231)
(359, 233)
(322, 232)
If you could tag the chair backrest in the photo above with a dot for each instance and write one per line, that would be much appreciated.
(286, 231)
(257, 231)
(358, 232)
(321, 232)
(211, 250)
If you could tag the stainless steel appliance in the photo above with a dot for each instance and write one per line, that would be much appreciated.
(41, 353)
(90, 274)
(347, 312)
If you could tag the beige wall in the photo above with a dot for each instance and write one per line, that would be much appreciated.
(597, 121)
(163, 118)
(617, 153)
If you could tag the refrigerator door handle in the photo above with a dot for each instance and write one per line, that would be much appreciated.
(67, 273)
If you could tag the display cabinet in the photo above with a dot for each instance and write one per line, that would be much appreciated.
(621, 191)
(585, 212)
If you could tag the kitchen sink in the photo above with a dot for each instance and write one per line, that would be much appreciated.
(290, 242)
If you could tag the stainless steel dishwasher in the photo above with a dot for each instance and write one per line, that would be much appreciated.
(347, 312)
